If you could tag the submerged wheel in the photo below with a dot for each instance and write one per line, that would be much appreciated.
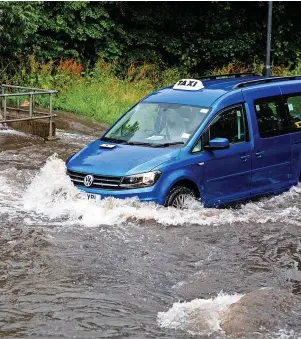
(177, 197)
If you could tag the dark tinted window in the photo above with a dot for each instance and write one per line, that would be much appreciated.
(270, 117)
(229, 124)
(293, 105)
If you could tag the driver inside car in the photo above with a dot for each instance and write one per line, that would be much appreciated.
(174, 125)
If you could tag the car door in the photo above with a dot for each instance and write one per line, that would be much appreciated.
(291, 92)
(227, 172)
(272, 151)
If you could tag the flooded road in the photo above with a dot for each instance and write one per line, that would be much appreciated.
(72, 268)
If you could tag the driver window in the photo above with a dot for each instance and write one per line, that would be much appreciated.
(229, 124)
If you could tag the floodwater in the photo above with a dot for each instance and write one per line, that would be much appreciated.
(72, 268)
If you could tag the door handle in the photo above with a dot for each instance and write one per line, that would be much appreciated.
(259, 154)
(245, 157)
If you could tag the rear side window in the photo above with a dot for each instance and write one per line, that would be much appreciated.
(270, 117)
(293, 108)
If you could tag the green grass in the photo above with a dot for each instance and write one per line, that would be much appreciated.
(103, 101)
(96, 92)
(99, 94)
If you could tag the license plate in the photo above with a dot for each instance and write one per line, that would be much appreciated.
(93, 197)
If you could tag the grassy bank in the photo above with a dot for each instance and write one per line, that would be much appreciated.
(98, 93)
(103, 101)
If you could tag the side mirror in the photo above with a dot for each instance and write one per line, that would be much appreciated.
(217, 144)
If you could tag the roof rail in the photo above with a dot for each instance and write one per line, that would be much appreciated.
(266, 80)
(230, 75)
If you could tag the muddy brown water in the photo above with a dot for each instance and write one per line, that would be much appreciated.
(70, 268)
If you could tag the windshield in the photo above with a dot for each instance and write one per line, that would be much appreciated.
(157, 124)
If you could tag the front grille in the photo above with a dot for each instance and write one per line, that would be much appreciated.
(100, 181)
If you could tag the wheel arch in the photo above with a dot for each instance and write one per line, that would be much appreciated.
(186, 183)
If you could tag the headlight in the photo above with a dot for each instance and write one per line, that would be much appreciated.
(140, 180)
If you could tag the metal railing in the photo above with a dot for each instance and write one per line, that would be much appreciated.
(15, 93)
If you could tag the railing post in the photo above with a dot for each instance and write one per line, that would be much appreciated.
(50, 119)
(30, 105)
(4, 108)
(18, 100)
(2, 99)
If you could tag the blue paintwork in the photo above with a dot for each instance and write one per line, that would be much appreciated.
(255, 167)
(219, 143)
(121, 160)
(295, 138)
(270, 156)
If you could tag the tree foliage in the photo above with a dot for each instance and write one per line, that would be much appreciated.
(19, 23)
(79, 29)
(193, 35)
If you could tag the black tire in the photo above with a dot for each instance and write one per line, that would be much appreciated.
(176, 197)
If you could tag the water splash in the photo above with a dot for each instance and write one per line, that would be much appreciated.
(203, 317)
(199, 316)
(52, 194)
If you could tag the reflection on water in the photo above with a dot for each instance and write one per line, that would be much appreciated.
(75, 268)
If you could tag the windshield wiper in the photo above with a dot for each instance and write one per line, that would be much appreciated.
(117, 141)
(166, 144)
(125, 142)
(138, 143)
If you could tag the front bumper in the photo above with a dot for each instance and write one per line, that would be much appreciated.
(151, 193)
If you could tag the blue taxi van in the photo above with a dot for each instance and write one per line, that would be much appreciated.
(220, 139)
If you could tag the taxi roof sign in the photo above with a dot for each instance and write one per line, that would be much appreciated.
(189, 85)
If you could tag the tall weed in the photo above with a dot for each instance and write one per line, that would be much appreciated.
(98, 92)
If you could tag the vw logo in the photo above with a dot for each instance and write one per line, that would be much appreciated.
(88, 180)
